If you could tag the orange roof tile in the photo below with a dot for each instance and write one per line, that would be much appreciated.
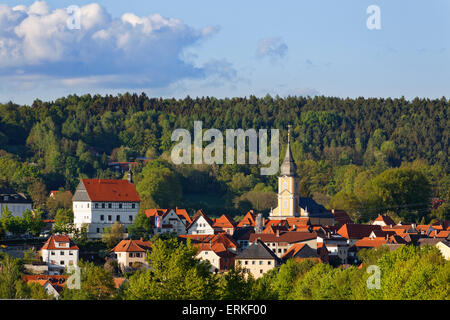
(50, 244)
(225, 221)
(132, 246)
(111, 190)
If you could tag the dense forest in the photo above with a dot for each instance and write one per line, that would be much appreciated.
(366, 156)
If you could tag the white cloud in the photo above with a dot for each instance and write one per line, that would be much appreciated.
(130, 51)
(272, 47)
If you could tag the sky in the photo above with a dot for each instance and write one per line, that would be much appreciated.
(175, 48)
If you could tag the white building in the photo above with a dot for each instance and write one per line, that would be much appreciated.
(17, 203)
(59, 252)
(98, 203)
(201, 224)
(168, 220)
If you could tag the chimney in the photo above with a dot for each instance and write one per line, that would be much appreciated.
(130, 176)
(278, 232)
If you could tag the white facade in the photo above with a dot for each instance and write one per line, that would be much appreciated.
(171, 222)
(200, 226)
(59, 259)
(17, 209)
(99, 215)
(212, 257)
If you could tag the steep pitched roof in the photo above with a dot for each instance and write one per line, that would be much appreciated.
(197, 215)
(132, 246)
(104, 190)
(257, 250)
(50, 244)
(341, 216)
(385, 218)
(288, 166)
(357, 231)
(181, 213)
(225, 221)
(248, 220)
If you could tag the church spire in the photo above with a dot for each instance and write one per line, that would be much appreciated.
(288, 167)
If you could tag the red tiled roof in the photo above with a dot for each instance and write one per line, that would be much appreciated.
(111, 190)
(211, 239)
(370, 243)
(57, 281)
(443, 234)
(181, 213)
(50, 243)
(132, 246)
(118, 282)
(225, 221)
(248, 220)
(293, 250)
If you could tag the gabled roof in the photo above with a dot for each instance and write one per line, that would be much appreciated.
(273, 229)
(104, 190)
(199, 214)
(300, 250)
(288, 237)
(118, 282)
(257, 250)
(248, 220)
(243, 233)
(50, 244)
(57, 281)
(370, 243)
(298, 222)
(341, 216)
(225, 221)
(385, 218)
(132, 246)
(212, 239)
(181, 213)
(357, 231)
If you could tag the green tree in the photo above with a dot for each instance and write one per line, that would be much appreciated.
(111, 236)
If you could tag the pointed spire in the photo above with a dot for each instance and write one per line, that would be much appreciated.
(288, 167)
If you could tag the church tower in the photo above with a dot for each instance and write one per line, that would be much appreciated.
(288, 188)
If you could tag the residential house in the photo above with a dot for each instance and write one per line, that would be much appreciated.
(201, 224)
(59, 252)
(257, 259)
(130, 253)
(53, 284)
(17, 203)
(383, 220)
(98, 203)
(354, 232)
(281, 242)
(168, 220)
(224, 223)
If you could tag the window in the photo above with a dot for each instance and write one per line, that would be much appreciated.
(260, 263)
(62, 262)
(118, 218)
(133, 205)
(62, 253)
(96, 206)
(269, 262)
(102, 217)
(109, 205)
(88, 205)
(98, 230)
(130, 255)
(120, 206)
(70, 253)
(260, 271)
(109, 217)
(130, 218)
(246, 262)
(253, 262)
(52, 253)
(239, 261)
(130, 264)
(103, 206)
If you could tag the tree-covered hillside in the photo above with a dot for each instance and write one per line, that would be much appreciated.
(343, 148)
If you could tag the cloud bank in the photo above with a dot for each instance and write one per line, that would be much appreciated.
(126, 52)
(272, 47)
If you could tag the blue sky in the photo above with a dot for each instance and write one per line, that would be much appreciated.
(225, 48)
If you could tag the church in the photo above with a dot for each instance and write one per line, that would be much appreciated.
(290, 204)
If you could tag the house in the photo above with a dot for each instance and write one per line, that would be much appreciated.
(281, 242)
(354, 232)
(212, 239)
(444, 247)
(242, 236)
(249, 220)
(129, 252)
(257, 259)
(224, 224)
(336, 246)
(383, 220)
(53, 284)
(59, 252)
(218, 256)
(98, 203)
(168, 220)
(17, 203)
(200, 224)
(301, 251)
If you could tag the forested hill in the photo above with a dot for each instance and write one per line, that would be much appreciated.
(75, 136)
